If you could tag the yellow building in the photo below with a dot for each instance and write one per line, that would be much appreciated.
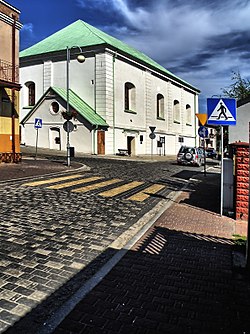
(9, 83)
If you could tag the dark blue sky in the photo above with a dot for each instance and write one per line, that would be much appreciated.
(201, 41)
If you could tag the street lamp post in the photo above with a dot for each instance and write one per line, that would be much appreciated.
(80, 59)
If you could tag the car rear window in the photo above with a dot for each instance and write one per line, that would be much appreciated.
(185, 149)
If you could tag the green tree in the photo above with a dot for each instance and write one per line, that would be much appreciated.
(239, 89)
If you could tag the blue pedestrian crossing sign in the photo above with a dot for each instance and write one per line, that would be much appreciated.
(38, 123)
(221, 111)
(203, 132)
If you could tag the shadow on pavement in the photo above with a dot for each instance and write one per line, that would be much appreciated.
(172, 282)
(204, 191)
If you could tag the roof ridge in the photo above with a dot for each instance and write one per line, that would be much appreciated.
(85, 35)
(88, 26)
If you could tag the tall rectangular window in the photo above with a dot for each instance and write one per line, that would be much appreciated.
(160, 106)
(31, 93)
(188, 115)
(129, 97)
(177, 111)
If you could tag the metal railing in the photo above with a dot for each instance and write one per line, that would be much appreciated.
(6, 71)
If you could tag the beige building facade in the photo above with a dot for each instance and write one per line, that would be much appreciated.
(9, 83)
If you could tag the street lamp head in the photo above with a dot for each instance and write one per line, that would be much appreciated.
(80, 58)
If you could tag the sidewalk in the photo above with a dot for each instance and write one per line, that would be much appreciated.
(35, 167)
(30, 151)
(178, 278)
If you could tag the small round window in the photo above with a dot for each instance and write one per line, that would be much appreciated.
(54, 107)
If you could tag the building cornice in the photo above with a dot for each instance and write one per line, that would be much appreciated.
(10, 6)
(157, 72)
(9, 20)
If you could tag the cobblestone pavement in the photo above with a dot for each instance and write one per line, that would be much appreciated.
(54, 240)
(178, 278)
(31, 167)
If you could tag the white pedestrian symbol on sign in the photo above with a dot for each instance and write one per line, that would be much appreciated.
(221, 112)
(38, 123)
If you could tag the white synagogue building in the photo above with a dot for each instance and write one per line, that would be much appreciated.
(115, 97)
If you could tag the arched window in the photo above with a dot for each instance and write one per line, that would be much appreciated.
(177, 111)
(129, 97)
(160, 106)
(188, 115)
(31, 93)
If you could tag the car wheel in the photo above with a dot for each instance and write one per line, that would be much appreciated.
(188, 156)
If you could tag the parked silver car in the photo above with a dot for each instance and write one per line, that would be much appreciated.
(188, 155)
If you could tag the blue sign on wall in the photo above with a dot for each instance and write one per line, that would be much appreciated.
(38, 123)
(221, 111)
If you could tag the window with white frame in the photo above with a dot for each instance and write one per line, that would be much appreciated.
(129, 97)
(160, 106)
(177, 111)
(31, 93)
(188, 115)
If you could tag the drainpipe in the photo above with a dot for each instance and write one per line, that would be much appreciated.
(13, 90)
(95, 127)
(195, 127)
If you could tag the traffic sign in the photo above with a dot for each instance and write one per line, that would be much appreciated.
(152, 135)
(203, 132)
(38, 123)
(221, 111)
(202, 118)
(68, 126)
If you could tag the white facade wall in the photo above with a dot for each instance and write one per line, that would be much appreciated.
(80, 138)
(100, 81)
(137, 124)
(104, 105)
(240, 132)
(32, 73)
(81, 80)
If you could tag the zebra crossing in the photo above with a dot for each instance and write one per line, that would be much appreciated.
(80, 183)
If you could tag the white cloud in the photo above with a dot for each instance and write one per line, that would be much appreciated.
(195, 38)
(91, 3)
(175, 33)
(178, 30)
(28, 27)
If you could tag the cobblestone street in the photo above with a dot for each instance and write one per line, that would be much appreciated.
(52, 240)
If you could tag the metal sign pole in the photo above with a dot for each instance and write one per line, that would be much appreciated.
(151, 148)
(36, 142)
(222, 170)
(152, 137)
(204, 152)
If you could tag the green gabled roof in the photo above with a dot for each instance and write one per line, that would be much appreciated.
(83, 34)
(81, 107)
(76, 103)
